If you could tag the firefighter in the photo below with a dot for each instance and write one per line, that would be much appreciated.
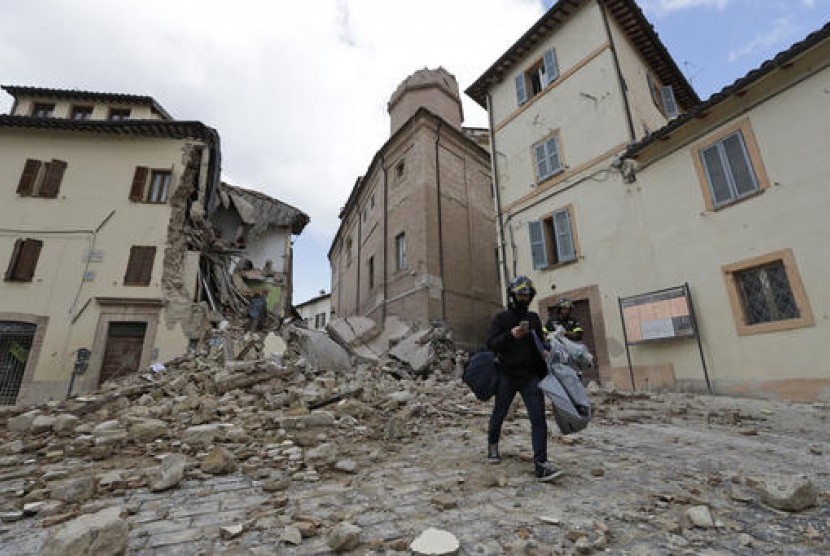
(560, 316)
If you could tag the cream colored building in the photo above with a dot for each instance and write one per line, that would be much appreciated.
(416, 234)
(615, 181)
(316, 312)
(112, 229)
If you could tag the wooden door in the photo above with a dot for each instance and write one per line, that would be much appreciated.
(122, 355)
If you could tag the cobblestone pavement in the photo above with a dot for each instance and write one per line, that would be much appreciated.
(631, 477)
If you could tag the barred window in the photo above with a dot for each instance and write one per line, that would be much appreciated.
(766, 294)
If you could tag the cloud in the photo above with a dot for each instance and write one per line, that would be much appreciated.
(297, 90)
(780, 30)
(663, 7)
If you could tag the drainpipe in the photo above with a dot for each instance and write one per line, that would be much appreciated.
(385, 239)
(495, 180)
(631, 135)
(440, 223)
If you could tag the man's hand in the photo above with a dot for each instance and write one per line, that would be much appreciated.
(519, 331)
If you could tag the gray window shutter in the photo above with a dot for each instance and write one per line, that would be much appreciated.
(669, 103)
(521, 89)
(550, 66)
(541, 162)
(552, 148)
(743, 175)
(537, 245)
(564, 236)
(716, 174)
(652, 88)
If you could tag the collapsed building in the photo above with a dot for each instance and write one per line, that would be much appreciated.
(116, 238)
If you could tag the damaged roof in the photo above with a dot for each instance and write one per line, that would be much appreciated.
(262, 211)
(634, 24)
(781, 60)
(74, 94)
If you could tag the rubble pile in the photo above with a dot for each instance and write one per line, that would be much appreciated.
(277, 417)
(362, 439)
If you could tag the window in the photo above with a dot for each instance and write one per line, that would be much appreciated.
(546, 156)
(349, 251)
(766, 294)
(372, 201)
(43, 110)
(24, 260)
(119, 113)
(371, 271)
(663, 97)
(319, 320)
(552, 239)
(400, 170)
(81, 113)
(156, 191)
(729, 166)
(364, 213)
(41, 179)
(531, 82)
(400, 251)
(140, 265)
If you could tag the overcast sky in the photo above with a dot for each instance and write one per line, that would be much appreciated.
(298, 90)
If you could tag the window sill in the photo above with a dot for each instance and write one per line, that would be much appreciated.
(774, 326)
(737, 201)
(556, 266)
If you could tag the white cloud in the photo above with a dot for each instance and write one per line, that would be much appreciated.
(780, 29)
(809, 3)
(662, 7)
(297, 90)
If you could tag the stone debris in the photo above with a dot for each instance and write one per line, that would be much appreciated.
(96, 534)
(303, 442)
(791, 493)
(435, 542)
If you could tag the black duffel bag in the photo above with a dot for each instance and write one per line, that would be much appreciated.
(481, 375)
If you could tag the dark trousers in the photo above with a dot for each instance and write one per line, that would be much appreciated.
(534, 401)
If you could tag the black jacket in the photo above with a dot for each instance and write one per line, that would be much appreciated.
(517, 357)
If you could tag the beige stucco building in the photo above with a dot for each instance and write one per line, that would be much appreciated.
(108, 252)
(615, 181)
(315, 312)
(416, 235)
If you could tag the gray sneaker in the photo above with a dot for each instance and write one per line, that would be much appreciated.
(547, 472)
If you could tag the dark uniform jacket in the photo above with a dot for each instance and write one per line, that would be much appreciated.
(569, 324)
(517, 357)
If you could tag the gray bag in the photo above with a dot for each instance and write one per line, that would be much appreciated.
(571, 407)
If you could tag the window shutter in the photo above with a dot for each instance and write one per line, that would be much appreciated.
(139, 180)
(741, 168)
(521, 89)
(716, 174)
(26, 263)
(564, 236)
(669, 103)
(552, 148)
(537, 245)
(10, 271)
(550, 66)
(28, 177)
(52, 180)
(652, 88)
(140, 265)
(541, 162)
